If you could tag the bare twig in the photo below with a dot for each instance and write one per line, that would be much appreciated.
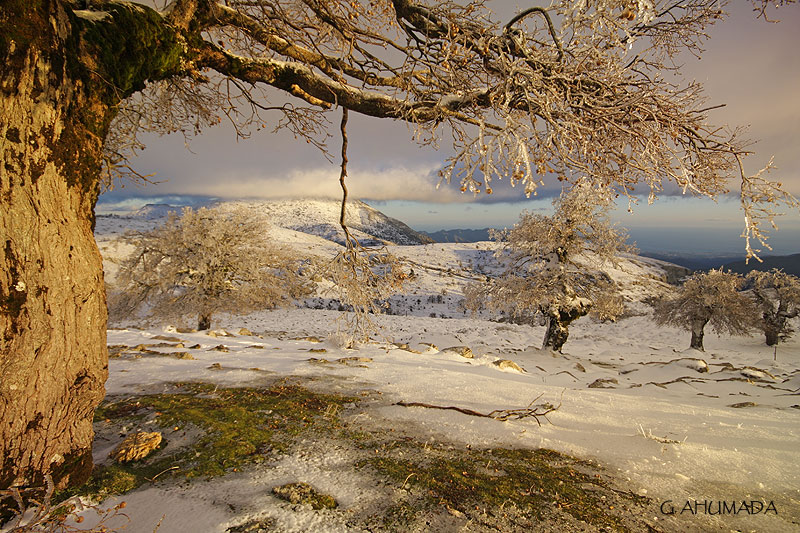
(532, 411)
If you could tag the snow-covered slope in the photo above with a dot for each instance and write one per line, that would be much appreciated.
(321, 217)
(671, 424)
(438, 271)
(316, 217)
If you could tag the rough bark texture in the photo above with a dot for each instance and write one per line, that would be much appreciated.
(60, 78)
(697, 334)
(53, 358)
(558, 326)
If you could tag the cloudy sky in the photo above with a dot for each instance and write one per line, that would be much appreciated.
(750, 65)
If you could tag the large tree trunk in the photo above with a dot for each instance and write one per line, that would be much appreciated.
(558, 322)
(61, 77)
(53, 357)
(204, 322)
(556, 334)
(698, 326)
(772, 325)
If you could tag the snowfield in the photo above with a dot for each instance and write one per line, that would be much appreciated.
(669, 423)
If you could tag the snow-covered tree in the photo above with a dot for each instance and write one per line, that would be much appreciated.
(709, 297)
(777, 295)
(550, 265)
(203, 262)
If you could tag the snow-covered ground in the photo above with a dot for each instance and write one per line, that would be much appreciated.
(671, 423)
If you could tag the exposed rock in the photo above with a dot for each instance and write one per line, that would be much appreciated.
(579, 367)
(506, 364)
(743, 404)
(406, 347)
(753, 373)
(145, 349)
(185, 330)
(317, 350)
(163, 345)
(308, 339)
(166, 338)
(219, 348)
(246, 332)
(215, 366)
(255, 526)
(181, 355)
(348, 360)
(136, 446)
(195, 347)
(691, 362)
(219, 333)
(115, 350)
(603, 383)
(305, 494)
(463, 351)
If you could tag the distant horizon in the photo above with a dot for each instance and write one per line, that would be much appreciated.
(650, 230)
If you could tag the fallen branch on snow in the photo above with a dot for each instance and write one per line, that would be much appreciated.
(532, 411)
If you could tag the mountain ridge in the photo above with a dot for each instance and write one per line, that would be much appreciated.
(318, 217)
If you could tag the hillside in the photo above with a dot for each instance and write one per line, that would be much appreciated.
(788, 263)
(321, 217)
(272, 397)
(438, 272)
(459, 235)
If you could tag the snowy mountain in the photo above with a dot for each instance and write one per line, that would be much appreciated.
(155, 211)
(321, 217)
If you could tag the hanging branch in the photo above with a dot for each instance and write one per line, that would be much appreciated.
(364, 277)
(348, 237)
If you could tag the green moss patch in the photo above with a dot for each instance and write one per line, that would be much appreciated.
(427, 484)
(305, 494)
(237, 426)
(534, 483)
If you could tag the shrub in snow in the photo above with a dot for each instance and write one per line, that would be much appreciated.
(704, 298)
(203, 262)
(777, 296)
(539, 269)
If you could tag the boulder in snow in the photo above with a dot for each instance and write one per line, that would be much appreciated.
(506, 364)
(463, 351)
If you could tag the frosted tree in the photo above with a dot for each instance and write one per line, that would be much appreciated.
(708, 298)
(777, 296)
(204, 262)
(550, 265)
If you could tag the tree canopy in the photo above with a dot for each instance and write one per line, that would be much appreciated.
(575, 90)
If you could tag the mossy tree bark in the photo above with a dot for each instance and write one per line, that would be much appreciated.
(60, 79)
